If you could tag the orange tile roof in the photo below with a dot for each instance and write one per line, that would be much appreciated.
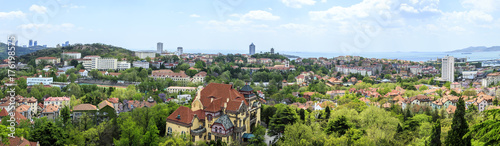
(104, 103)
(183, 116)
(84, 107)
(217, 91)
(4, 112)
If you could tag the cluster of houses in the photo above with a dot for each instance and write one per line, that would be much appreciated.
(179, 76)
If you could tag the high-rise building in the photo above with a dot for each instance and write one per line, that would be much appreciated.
(30, 44)
(448, 69)
(272, 50)
(66, 43)
(35, 44)
(17, 41)
(252, 49)
(159, 47)
(179, 50)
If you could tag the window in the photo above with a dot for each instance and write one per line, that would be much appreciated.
(169, 131)
(209, 117)
(209, 136)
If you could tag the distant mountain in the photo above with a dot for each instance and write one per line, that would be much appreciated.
(103, 50)
(19, 50)
(477, 49)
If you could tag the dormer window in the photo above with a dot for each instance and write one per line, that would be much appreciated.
(178, 117)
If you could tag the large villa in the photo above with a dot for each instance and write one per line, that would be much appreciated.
(219, 112)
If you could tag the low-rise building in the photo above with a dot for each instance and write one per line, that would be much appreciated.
(81, 109)
(143, 64)
(175, 89)
(50, 60)
(39, 80)
(58, 101)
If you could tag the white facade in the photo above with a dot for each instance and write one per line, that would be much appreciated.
(448, 68)
(37, 80)
(144, 55)
(469, 74)
(106, 63)
(71, 55)
(123, 65)
(179, 50)
(159, 47)
(143, 64)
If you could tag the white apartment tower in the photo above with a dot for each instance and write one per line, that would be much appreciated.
(159, 47)
(448, 69)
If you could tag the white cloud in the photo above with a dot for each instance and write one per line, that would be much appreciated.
(481, 5)
(38, 9)
(48, 27)
(194, 15)
(323, 1)
(259, 15)
(407, 8)
(298, 3)
(12, 14)
(473, 16)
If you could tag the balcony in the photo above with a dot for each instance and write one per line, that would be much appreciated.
(240, 129)
(252, 121)
(198, 131)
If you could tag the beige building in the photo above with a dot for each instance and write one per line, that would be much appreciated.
(219, 112)
(50, 60)
(145, 54)
(175, 89)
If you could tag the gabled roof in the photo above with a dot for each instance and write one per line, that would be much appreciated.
(4, 112)
(84, 107)
(183, 115)
(216, 91)
(234, 105)
(225, 121)
(105, 103)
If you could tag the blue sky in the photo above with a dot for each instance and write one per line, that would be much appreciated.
(345, 26)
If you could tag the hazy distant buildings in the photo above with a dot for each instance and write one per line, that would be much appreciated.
(143, 64)
(272, 50)
(49, 60)
(145, 54)
(30, 44)
(159, 47)
(71, 55)
(35, 44)
(252, 49)
(448, 69)
(179, 51)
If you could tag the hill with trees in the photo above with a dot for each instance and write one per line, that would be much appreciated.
(102, 50)
(19, 50)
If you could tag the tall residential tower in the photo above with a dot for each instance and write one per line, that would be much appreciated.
(159, 47)
(448, 69)
(252, 49)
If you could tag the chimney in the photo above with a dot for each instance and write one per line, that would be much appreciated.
(225, 105)
(211, 99)
(227, 99)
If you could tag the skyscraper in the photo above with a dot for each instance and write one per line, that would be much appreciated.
(252, 49)
(66, 43)
(159, 47)
(448, 68)
(179, 50)
(30, 43)
(272, 50)
(35, 44)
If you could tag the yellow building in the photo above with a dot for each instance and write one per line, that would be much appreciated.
(219, 112)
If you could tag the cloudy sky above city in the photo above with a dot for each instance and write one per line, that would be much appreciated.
(347, 26)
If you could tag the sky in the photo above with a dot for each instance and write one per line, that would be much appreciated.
(207, 26)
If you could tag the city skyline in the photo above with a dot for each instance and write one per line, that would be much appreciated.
(287, 25)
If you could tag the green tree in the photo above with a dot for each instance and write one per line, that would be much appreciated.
(151, 137)
(327, 112)
(488, 130)
(258, 139)
(339, 125)
(130, 133)
(65, 114)
(191, 72)
(436, 134)
(459, 127)
(49, 135)
(284, 116)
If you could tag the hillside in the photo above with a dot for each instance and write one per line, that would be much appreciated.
(19, 50)
(103, 50)
(477, 49)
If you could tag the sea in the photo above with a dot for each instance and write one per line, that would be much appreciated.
(412, 56)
